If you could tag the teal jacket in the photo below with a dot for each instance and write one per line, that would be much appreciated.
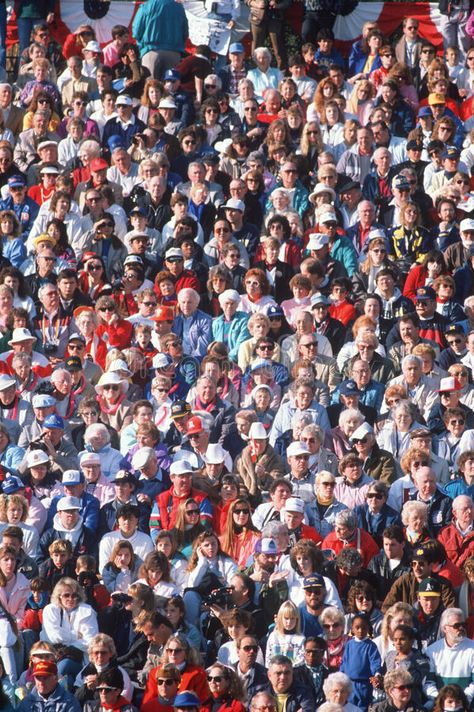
(300, 198)
(344, 251)
(238, 332)
(160, 25)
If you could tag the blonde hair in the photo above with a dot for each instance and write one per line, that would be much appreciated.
(62, 584)
(15, 499)
(285, 608)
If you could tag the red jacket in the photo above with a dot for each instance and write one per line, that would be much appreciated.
(167, 503)
(118, 336)
(193, 678)
(308, 532)
(362, 541)
(458, 548)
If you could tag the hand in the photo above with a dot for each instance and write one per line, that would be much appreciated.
(278, 576)
(144, 498)
(230, 25)
(462, 93)
(260, 576)
(442, 226)
(113, 319)
(49, 444)
(217, 610)
(91, 681)
(50, 18)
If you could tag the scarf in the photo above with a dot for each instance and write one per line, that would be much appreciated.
(200, 405)
(121, 702)
(110, 409)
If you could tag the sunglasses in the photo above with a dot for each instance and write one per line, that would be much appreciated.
(266, 347)
(361, 440)
(241, 511)
(404, 687)
(111, 387)
(167, 682)
(70, 595)
(250, 108)
(459, 421)
(105, 690)
(107, 309)
(192, 511)
(150, 304)
(250, 648)
(105, 224)
(215, 678)
(175, 650)
(374, 495)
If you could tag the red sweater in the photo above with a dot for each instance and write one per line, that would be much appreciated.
(193, 678)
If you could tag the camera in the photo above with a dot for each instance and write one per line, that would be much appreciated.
(49, 348)
(219, 597)
(120, 600)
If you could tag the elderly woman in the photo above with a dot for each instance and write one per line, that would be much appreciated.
(332, 621)
(258, 326)
(338, 439)
(102, 653)
(352, 485)
(395, 435)
(322, 511)
(97, 439)
(404, 487)
(258, 464)
(68, 621)
(115, 409)
(320, 457)
(263, 76)
(375, 515)
(420, 387)
(301, 400)
(415, 520)
(398, 686)
(347, 534)
(231, 327)
(337, 688)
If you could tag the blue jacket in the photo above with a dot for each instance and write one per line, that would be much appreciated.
(160, 24)
(90, 506)
(358, 63)
(372, 395)
(26, 213)
(238, 332)
(200, 332)
(113, 127)
(59, 701)
(464, 282)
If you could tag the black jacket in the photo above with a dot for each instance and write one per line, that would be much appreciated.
(281, 287)
(385, 575)
(258, 680)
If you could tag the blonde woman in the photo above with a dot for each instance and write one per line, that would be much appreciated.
(68, 621)
(14, 512)
(361, 101)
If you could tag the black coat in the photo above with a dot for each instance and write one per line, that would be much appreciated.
(281, 287)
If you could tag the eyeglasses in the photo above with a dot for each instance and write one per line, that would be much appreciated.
(111, 387)
(150, 304)
(107, 309)
(459, 421)
(428, 51)
(212, 111)
(420, 463)
(379, 250)
(250, 648)
(308, 440)
(374, 495)
(105, 690)
(168, 682)
(106, 224)
(313, 589)
(43, 101)
(175, 343)
(222, 229)
(312, 133)
(175, 650)
(252, 283)
(360, 440)
(241, 511)
(403, 687)
(192, 511)
(327, 484)
(70, 595)
(414, 564)
(457, 626)
(216, 678)
(328, 626)
(210, 86)
(251, 108)
(454, 341)
(163, 390)
(266, 347)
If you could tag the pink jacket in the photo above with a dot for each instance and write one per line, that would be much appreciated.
(16, 603)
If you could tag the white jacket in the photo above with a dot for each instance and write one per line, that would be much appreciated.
(76, 628)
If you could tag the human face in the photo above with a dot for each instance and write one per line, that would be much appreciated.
(187, 304)
(281, 677)
(247, 652)
(46, 685)
(293, 520)
(338, 694)
(332, 629)
(455, 629)
(464, 510)
(425, 481)
(352, 472)
(303, 398)
(176, 652)
(69, 599)
(128, 525)
(209, 547)
(393, 549)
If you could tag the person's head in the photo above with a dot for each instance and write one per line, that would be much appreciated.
(345, 524)
(463, 506)
(337, 687)
(247, 650)
(415, 514)
(453, 625)
(393, 542)
(398, 685)
(332, 622)
(157, 629)
(224, 682)
(451, 698)
(280, 674)
(67, 594)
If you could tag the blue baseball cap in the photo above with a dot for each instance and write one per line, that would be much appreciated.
(187, 699)
(16, 182)
(53, 422)
(12, 484)
(275, 310)
(425, 111)
(237, 48)
(115, 142)
(349, 388)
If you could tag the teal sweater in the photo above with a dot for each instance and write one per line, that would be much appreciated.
(160, 25)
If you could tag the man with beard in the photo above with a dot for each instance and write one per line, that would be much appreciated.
(271, 586)
(451, 658)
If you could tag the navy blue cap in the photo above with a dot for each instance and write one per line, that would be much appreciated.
(16, 182)
(349, 388)
(187, 699)
(313, 580)
(172, 75)
(275, 310)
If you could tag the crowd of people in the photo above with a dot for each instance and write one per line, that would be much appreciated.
(237, 367)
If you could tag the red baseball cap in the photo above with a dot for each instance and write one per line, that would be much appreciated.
(45, 668)
(98, 164)
(194, 425)
(163, 313)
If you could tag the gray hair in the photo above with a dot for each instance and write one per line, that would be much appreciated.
(314, 430)
(346, 518)
(448, 614)
(349, 414)
(262, 50)
(411, 358)
(274, 529)
(413, 507)
(400, 676)
(97, 430)
(337, 678)
(462, 499)
(331, 614)
(379, 488)
(190, 292)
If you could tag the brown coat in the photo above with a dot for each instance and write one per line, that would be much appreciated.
(271, 463)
